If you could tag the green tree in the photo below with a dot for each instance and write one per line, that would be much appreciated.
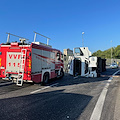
(117, 52)
(98, 53)
(107, 53)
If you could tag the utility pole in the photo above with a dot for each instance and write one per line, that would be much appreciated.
(111, 51)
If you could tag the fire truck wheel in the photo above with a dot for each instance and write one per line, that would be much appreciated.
(61, 73)
(45, 78)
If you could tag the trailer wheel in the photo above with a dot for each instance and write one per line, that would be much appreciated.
(45, 78)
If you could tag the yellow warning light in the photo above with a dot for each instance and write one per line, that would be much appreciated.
(0, 62)
(29, 64)
(29, 61)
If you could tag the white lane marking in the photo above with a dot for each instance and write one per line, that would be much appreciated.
(117, 106)
(75, 77)
(7, 83)
(96, 114)
(115, 73)
(43, 88)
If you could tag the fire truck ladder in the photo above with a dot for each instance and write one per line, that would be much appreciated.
(21, 67)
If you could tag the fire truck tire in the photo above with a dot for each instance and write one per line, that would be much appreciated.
(61, 73)
(45, 78)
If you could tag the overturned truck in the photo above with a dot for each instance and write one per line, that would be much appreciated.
(83, 64)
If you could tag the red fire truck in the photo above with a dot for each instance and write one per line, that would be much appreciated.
(36, 62)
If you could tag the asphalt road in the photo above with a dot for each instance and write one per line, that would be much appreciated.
(63, 99)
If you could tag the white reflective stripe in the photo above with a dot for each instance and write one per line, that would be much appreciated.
(2, 67)
(5, 45)
(43, 88)
(24, 45)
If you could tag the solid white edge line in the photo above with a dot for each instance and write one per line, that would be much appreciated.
(115, 73)
(96, 114)
(75, 77)
(43, 88)
(7, 83)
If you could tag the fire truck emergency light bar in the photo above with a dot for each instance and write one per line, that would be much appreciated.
(8, 38)
(42, 36)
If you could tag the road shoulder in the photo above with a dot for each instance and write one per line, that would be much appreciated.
(117, 105)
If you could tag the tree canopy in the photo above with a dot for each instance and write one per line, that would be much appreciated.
(107, 53)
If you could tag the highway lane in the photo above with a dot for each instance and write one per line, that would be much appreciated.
(68, 98)
(111, 109)
(8, 86)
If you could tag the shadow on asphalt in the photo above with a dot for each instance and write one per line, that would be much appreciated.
(69, 80)
(55, 105)
(12, 87)
(65, 81)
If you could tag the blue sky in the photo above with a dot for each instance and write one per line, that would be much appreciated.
(63, 21)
